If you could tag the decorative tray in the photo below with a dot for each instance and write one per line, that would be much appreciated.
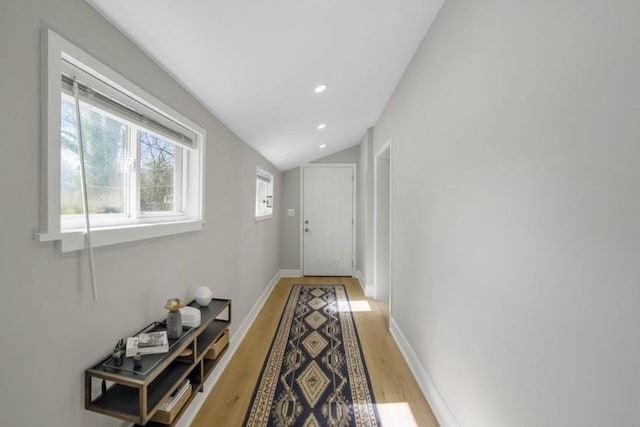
(149, 361)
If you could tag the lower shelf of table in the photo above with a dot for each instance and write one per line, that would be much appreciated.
(197, 388)
(208, 366)
(125, 399)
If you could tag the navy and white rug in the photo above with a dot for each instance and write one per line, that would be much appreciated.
(314, 374)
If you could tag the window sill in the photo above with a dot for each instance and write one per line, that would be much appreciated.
(105, 236)
(263, 217)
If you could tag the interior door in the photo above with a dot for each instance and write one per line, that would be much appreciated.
(328, 220)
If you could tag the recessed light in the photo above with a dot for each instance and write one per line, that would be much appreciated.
(321, 88)
(323, 145)
(322, 126)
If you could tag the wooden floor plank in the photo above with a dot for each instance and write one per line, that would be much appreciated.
(396, 392)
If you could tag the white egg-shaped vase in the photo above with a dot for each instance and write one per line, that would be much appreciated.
(203, 296)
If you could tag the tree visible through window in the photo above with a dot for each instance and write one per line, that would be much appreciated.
(105, 143)
(157, 173)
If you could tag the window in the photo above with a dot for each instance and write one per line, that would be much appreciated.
(264, 194)
(143, 160)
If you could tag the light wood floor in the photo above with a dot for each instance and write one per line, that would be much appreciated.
(396, 392)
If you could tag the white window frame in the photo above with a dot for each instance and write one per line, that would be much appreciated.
(262, 175)
(134, 213)
(149, 225)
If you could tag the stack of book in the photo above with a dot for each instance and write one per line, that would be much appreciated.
(148, 343)
(171, 406)
(170, 402)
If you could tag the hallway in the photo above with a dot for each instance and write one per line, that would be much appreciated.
(399, 400)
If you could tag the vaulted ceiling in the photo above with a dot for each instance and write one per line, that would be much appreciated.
(255, 64)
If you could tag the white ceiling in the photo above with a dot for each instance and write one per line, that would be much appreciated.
(254, 64)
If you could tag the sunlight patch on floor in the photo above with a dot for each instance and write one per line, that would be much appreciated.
(396, 414)
(354, 306)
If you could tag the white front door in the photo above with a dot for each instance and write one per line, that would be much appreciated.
(328, 219)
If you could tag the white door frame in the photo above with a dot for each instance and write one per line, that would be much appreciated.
(385, 146)
(354, 200)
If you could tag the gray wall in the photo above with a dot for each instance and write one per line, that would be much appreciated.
(50, 329)
(364, 235)
(516, 225)
(290, 226)
(349, 155)
(382, 242)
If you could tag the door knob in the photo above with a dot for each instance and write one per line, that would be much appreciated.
(306, 230)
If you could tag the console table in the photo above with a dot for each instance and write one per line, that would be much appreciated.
(137, 395)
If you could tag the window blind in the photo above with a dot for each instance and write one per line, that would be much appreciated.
(100, 94)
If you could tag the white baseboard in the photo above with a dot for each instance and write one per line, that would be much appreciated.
(436, 402)
(190, 413)
(366, 288)
(291, 273)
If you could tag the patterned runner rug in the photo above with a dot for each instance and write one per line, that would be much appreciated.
(314, 374)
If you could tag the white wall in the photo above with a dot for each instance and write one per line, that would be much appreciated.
(516, 228)
(50, 329)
